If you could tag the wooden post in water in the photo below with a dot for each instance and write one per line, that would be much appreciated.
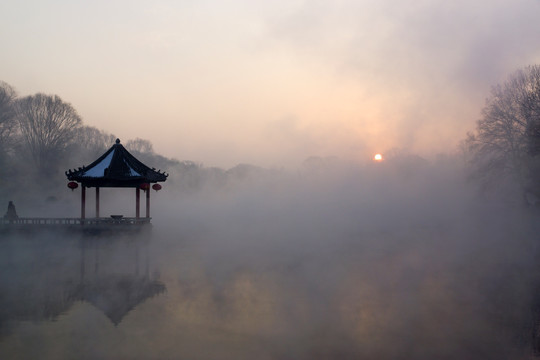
(137, 202)
(97, 201)
(83, 202)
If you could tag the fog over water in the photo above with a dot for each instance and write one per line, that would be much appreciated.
(327, 258)
(396, 260)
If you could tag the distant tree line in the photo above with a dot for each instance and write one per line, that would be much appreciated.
(41, 136)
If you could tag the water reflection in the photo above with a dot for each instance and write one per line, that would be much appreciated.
(406, 296)
(116, 283)
(42, 277)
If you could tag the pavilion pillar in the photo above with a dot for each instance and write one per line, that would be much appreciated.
(148, 202)
(137, 202)
(97, 202)
(83, 202)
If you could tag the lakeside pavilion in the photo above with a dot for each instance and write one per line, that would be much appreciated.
(117, 168)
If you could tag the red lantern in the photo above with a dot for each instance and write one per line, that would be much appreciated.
(72, 185)
(144, 186)
(156, 187)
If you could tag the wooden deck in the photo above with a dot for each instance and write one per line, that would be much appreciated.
(88, 225)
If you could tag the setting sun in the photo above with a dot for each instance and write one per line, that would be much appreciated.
(378, 157)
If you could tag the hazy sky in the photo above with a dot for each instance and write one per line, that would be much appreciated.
(271, 82)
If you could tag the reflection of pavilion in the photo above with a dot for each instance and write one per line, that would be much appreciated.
(115, 296)
(48, 277)
(113, 283)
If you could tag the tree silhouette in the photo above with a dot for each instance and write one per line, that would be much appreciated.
(140, 145)
(90, 142)
(7, 114)
(506, 143)
(46, 126)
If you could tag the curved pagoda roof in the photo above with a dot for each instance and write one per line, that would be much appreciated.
(116, 168)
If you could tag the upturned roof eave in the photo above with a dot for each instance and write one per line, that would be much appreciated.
(115, 171)
(111, 182)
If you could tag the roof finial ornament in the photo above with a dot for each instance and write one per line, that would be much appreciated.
(118, 141)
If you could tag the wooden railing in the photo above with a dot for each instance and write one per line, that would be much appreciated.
(117, 220)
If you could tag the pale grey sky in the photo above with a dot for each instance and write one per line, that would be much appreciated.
(271, 82)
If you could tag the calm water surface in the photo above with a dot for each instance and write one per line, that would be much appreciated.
(252, 293)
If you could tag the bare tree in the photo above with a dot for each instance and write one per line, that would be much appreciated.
(140, 145)
(7, 124)
(46, 126)
(7, 114)
(507, 139)
(90, 142)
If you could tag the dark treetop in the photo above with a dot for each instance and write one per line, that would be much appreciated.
(116, 168)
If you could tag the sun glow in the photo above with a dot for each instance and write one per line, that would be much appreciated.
(378, 157)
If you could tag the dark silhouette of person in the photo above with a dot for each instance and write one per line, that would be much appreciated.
(11, 213)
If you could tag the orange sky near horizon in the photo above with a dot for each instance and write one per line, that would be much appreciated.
(271, 83)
